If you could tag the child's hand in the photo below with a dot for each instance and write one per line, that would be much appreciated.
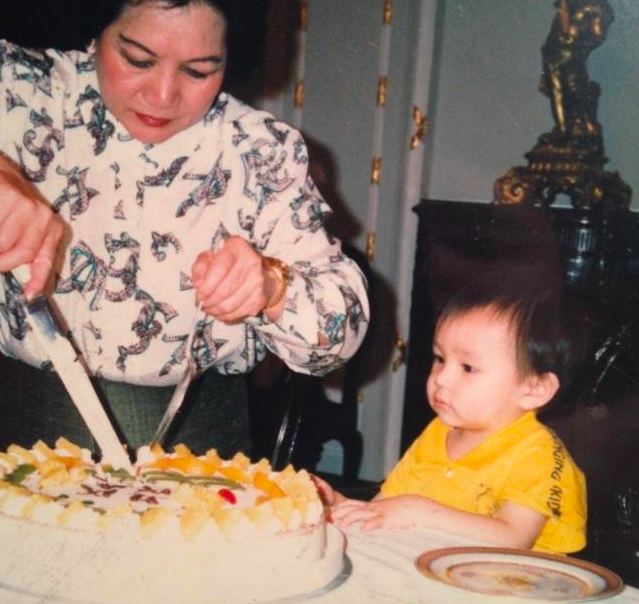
(394, 512)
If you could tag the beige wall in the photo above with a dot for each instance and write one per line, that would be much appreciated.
(487, 111)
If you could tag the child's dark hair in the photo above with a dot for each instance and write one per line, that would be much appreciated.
(550, 331)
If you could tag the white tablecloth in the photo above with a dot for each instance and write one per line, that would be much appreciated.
(383, 572)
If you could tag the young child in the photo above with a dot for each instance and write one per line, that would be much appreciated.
(485, 467)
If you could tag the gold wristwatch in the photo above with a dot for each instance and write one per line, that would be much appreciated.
(282, 274)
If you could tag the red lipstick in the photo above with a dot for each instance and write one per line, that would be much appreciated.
(149, 120)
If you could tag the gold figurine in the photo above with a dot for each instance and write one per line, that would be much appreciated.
(570, 158)
(578, 28)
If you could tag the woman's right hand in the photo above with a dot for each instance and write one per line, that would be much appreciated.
(29, 230)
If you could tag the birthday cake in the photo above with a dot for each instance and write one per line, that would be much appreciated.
(183, 528)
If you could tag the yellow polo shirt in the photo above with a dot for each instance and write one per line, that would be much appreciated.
(525, 463)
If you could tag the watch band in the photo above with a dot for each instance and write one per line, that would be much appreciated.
(282, 274)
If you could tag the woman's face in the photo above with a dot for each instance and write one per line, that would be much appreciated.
(160, 68)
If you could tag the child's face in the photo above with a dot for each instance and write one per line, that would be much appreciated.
(474, 383)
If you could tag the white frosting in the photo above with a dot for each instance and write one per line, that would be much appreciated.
(61, 562)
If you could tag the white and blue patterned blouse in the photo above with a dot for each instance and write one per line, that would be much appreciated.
(138, 215)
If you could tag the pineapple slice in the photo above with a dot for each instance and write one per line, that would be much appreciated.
(77, 475)
(112, 515)
(182, 450)
(283, 508)
(299, 484)
(198, 498)
(158, 451)
(212, 457)
(208, 500)
(191, 523)
(51, 466)
(4, 490)
(65, 515)
(56, 479)
(9, 461)
(300, 502)
(260, 515)
(263, 466)
(152, 520)
(185, 495)
(285, 474)
(34, 502)
(22, 455)
(19, 491)
(241, 461)
(226, 519)
(44, 449)
(68, 447)
(53, 473)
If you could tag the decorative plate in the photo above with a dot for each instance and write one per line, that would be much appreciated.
(520, 573)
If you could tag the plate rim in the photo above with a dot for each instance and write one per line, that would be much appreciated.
(614, 583)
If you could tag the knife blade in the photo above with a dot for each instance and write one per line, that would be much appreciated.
(71, 371)
(177, 398)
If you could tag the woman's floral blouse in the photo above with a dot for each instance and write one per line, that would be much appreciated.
(138, 215)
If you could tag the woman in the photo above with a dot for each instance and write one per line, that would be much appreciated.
(148, 192)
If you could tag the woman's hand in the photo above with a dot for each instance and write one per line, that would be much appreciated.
(30, 231)
(233, 283)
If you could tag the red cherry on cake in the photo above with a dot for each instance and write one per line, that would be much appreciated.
(228, 495)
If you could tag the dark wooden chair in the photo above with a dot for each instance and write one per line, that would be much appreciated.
(293, 416)
(600, 429)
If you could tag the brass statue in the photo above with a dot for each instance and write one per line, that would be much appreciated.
(570, 158)
(573, 36)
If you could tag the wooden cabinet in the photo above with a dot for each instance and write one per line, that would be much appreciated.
(598, 254)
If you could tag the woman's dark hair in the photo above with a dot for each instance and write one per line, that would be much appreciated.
(106, 12)
(550, 330)
(72, 24)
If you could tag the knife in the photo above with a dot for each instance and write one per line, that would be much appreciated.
(177, 398)
(73, 375)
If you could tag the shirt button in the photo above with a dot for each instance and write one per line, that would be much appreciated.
(449, 473)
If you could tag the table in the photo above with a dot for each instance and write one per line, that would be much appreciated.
(383, 572)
